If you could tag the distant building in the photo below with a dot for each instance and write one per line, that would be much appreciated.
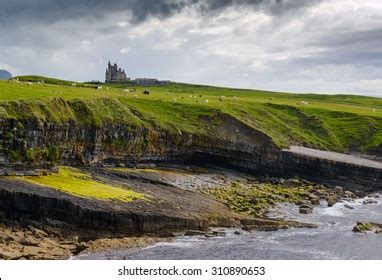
(115, 74)
(147, 81)
(118, 75)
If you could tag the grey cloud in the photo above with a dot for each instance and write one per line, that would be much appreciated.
(350, 46)
(291, 49)
(270, 6)
(47, 11)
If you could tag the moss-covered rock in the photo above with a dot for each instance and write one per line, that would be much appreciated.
(365, 227)
(255, 199)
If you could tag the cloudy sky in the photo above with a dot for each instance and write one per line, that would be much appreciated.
(328, 46)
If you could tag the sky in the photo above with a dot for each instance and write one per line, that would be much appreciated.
(328, 46)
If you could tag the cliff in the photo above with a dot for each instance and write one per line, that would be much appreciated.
(73, 134)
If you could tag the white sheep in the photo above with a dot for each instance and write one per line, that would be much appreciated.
(303, 103)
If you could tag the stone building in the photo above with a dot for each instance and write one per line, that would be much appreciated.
(115, 74)
(148, 82)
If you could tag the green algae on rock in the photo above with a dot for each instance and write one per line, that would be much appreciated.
(79, 183)
(255, 198)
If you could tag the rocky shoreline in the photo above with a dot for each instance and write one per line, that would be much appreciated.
(185, 200)
(30, 243)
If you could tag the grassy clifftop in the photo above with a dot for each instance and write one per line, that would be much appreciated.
(334, 122)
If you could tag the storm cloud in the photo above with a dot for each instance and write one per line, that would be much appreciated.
(287, 45)
(50, 11)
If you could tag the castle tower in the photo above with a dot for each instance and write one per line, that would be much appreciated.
(114, 74)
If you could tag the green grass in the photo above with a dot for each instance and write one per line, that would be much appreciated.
(333, 122)
(78, 183)
(52, 81)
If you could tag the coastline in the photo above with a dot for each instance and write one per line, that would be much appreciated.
(336, 237)
(30, 243)
(245, 198)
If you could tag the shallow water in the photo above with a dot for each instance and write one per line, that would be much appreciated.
(333, 239)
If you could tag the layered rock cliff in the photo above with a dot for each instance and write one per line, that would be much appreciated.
(230, 141)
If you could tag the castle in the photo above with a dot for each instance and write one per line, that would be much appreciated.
(118, 75)
(115, 74)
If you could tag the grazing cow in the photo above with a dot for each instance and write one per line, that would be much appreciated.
(146, 91)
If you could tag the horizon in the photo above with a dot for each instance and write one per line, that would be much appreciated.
(376, 95)
(284, 46)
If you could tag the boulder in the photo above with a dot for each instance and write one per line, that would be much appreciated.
(338, 190)
(30, 251)
(332, 200)
(292, 182)
(305, 209)
(80, 247)
(9, 255)
(314, 199)
(359, 193)
(194, 233)
(348, 194)
(374, 195)
(30, 241)
(37, 232)
(5, 255)
(366, 227)
(369, 201)
(216, 233)
(348, 206)
(362, 227)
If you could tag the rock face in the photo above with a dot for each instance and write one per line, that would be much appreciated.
(350, 176)
(5, 75)
(30, 243)
(230, 143)
(169, 209)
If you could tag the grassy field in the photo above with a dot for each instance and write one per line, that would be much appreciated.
(333, 122)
